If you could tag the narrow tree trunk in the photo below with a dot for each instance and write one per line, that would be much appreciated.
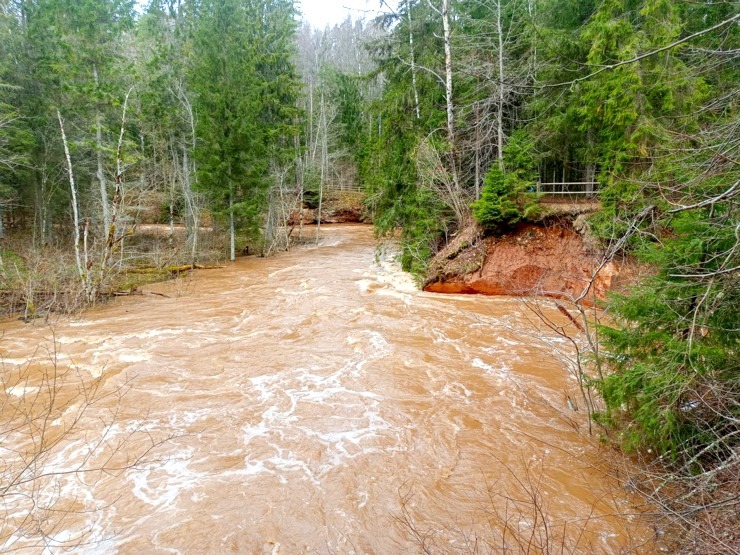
(477, 152)
(532, 9)
(44, 213)
(81, 270)
(590, 166)
(193, 222)
(193, 211)
(300, 182)
(111, 238)
(101, 167)
(448, 94)
(417, 110)
(232, 229)
(324, 164)
(448, 72)
(172, 213)
(500, 115)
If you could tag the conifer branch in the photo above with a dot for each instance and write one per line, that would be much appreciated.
(646, 55)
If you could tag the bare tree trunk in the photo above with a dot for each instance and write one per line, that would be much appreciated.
(324, 164)
(101, 167)
(448, 71)
(413, 62)
(111, 238)
(300, 182)
(590, 166)
(81, 270)
(500, 114)
(448, 93)
(532, 9)
(43, 198)
(172, 211)
(232, 228)
(193, 223)
(477, 152)
(318, 127)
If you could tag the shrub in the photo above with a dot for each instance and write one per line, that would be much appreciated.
(508, 193)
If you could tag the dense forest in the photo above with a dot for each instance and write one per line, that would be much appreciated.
(447, 113)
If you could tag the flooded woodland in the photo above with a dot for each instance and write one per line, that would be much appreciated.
(315, 401)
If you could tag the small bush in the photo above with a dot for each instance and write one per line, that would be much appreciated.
(497, 208)
(508, 193)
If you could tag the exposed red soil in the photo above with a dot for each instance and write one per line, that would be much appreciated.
(551, 261)
(339, 207)
(335, 216)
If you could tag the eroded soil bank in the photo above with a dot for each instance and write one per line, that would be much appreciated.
(337, 207)
(548, 260)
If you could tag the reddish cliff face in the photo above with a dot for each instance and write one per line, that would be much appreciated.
(338, 207)
(552, 261)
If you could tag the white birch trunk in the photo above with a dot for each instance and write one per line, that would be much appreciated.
(193, 221)
(413, 62)
(81, 270)
(500, 114)
(324, 163)
(448, 93)
(448, 71)
(101, 167)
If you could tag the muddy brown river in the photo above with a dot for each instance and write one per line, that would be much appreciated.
(314, 402)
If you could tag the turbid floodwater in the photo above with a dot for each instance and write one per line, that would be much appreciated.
(315, 401)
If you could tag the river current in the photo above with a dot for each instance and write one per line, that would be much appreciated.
(317, 402)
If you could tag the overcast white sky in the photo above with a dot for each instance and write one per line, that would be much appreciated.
(329, 12)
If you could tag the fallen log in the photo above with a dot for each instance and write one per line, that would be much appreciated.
(172, 269)
(134, 292)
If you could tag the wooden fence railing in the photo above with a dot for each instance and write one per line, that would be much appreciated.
(577, 188)
(333, 186)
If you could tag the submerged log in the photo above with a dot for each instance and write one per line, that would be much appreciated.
(135, 292)
(172, 269)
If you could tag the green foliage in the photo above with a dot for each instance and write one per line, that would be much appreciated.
(422, 220)
(345, 92)
(246, 90)
(497, 209)
(650, 128)
(507, 195)
(674, 352)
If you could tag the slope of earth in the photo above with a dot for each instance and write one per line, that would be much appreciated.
(338, 207)
(551, 260)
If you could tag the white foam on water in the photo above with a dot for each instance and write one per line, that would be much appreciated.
(285, 395)
(14, 361)
(500, 370)
(440, 337)
(160, 332)
(134, 357)
(183, 420)
(386, 278)
(21, 391)
(156, 490)
(364, 285)
(457, 391)
(241, 321)
(284, 271)
(72, 409)
(88, 340)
